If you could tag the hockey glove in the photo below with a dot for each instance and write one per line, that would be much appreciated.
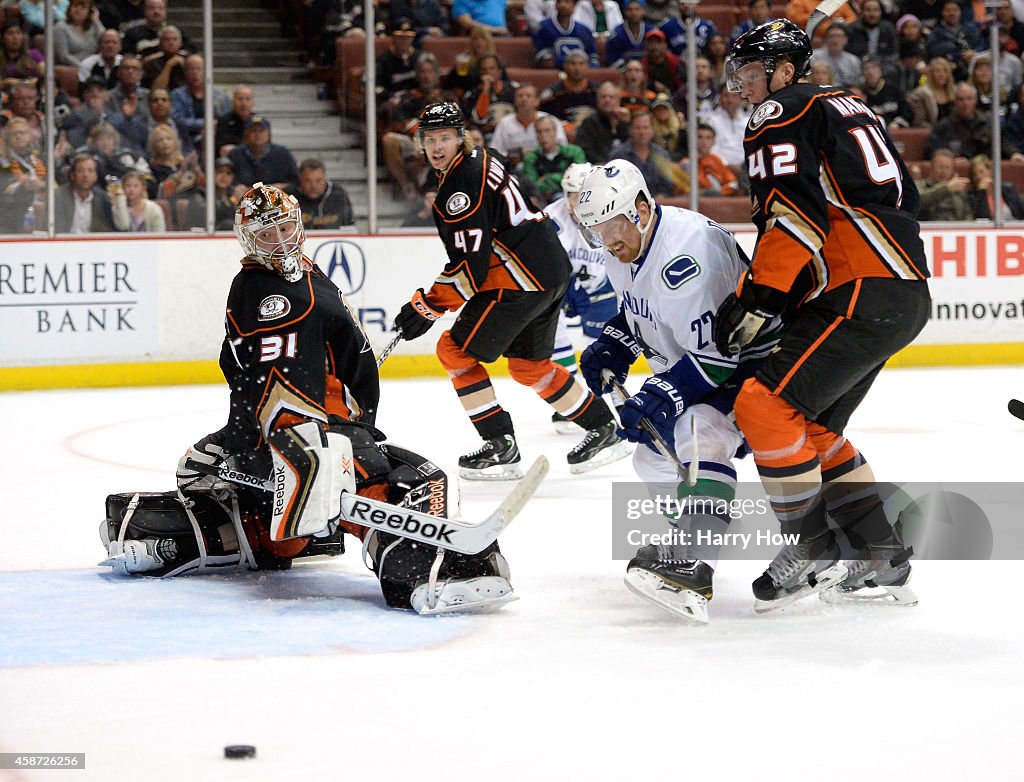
(207, 451)
(744, 315)
(416, 317)
(661, 402)
(615, 349)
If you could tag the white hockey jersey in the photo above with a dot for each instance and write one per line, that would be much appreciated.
(669, 297)
(588, 264)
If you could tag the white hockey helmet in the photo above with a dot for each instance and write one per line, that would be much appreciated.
(268, 224)
(572, 178)
(611, 190)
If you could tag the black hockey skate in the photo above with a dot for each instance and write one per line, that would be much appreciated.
(599, 447)
(681, 586)
(798, 571)
(496, 460)
(879, 575)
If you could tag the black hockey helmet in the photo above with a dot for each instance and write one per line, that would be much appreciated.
(766, 44)
(442, 115)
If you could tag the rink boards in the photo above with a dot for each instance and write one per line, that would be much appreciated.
(142, 310)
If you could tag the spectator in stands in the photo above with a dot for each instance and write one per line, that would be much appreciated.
(231, 127)
(707, 92)
(845, 66)
(23, 103)
(944, 196)
(558, 36)
(104, 63)
(80, 207)
(675, 30)
(1014, 126)
(627, 40)
(635, 94)
(228, 193)
(120, 14)
(128, 96)
(165, 68)
(187, 103)
(758, 12)
(324, 21)
(78, 36)
(641, 151)
(426, 17)
(713, 176)
(403, 158)
(982, 192)
(34, 14)
(660, 65)
(1013, 26)
(601, 17)
(17, 61)
(564, 98)
(492, 98)
(486, 13)
(669, 133)
(885, 99)
(609, 124)
(171, 171)
(729, 121)
(113, 160)
(396, 68)
(257, 159)
(136, 129)
(954, 39)
(143, 36)
(545, 165)
(799, 11)
(465, 74)
(821, 74)
(910, 36)
(132, 210)
(872, 34)
(967, 131)
(979, 74)
(324, 203)
(717, 51)
(911, 68)
(933, 101)
(22, 180)
(516, 134)
(659, 10)
(93, 109)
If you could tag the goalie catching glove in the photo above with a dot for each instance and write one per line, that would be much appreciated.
(615, 350)
(661, 402)
(416, 316)
(745, 315)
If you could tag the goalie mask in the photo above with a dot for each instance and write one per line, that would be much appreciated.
(268, 223)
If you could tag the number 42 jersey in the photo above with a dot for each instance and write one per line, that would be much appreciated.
(832, 198)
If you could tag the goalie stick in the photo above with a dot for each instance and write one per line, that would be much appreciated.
(824, 11)
(460, 536)
(1016, 408)
(688, 474)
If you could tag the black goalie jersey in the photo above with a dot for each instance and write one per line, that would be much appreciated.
(292, 352)
(832, 198)
(495, 237)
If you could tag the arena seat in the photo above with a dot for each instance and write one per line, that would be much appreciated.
(66, 77)
(910, 142)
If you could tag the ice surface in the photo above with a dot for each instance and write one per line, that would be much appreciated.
(578, 679)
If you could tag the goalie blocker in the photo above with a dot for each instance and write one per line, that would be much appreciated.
(227, 524)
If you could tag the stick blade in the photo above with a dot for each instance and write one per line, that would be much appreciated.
(1016, 408)
(824, 11)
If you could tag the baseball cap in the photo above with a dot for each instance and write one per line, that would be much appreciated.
(403, 27)
(223, 161)
(661, 99)
(256, 120)
(655, 34)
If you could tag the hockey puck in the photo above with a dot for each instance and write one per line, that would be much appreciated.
(1016, 408)
(239, 751)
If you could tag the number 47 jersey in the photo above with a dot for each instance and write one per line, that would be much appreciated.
(494, 236)
(832, 199)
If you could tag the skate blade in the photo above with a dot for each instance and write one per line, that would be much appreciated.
(499, 472)
(895, 596)
(684, 603)
(611, 454)
(827, 578)
(479, 607)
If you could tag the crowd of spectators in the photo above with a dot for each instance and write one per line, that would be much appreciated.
(129, 135)
(917, 64)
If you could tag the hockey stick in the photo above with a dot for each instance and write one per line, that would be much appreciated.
(389, 347)
(824, 11)
(1016, 408)
(460, 536)
(689, 474)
